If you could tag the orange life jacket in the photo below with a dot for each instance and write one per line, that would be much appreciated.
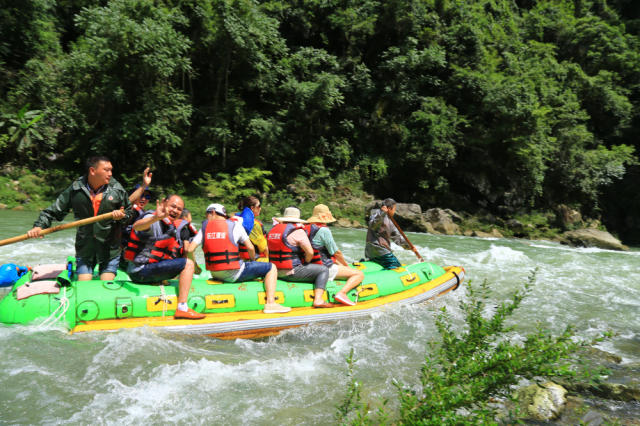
(281, 253)
(220, 250)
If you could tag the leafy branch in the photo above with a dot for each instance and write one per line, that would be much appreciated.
(466, 370)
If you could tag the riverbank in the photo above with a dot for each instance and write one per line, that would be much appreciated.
(21, 189)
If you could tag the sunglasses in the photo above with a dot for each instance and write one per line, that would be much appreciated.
(146, 196)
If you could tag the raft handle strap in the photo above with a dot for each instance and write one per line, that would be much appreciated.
(164, 301)
(457, 281)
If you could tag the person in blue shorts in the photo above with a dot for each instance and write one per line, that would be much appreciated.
(160, 253)
(220, 237)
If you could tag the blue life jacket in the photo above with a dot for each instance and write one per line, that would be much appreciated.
(247, 219)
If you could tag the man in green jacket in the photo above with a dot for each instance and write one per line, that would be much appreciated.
(88, 196)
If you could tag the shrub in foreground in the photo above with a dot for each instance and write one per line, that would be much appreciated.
(466, 370)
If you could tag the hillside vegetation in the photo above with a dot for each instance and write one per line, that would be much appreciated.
(508, 106)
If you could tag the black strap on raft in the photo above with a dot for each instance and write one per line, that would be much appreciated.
(457, 281)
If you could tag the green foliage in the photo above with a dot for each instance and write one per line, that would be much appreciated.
(468, 367)
(353, 398)
(22, 128)
(483, 103)
(231, 188)
(30, 189)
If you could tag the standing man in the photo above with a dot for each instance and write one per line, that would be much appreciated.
(90, 195)
(380, 234)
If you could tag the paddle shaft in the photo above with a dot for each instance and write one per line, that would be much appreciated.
(75, 224)
(405, 238)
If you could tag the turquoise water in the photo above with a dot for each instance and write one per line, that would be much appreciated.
(148, 376)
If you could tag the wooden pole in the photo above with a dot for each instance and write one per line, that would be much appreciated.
(405, 238)
(75, 224)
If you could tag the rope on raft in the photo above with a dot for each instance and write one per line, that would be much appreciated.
(53, 318)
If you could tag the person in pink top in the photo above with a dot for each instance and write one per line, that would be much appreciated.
(290, 250)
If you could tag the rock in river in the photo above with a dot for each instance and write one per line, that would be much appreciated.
(589, 237)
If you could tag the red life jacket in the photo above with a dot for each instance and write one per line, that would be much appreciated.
(244, 253)
(126, 230)
(321, 255)
(134, 244)
(167, 243)
(220, 250)
(169, 246)
(281, 253)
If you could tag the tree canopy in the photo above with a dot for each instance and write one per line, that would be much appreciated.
(505, 105)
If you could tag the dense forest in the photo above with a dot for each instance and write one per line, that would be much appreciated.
(499, 105)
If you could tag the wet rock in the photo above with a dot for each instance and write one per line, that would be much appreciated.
(430, 228)
(594, 223)
(613, 391)
(590, 237)
(18, 208)
(592, 418)
(344, 223)
(568, 218)
(542, 402)
(441, 221)
(496, 233)
(408, 216)
(454, 216)
(600, 355)
(493, 234)
(3, 206)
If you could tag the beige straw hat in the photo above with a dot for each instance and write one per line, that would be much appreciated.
(290, 214)
(321, 214)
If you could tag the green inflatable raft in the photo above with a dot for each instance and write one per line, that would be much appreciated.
(233, 309)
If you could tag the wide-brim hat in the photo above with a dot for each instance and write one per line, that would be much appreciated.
(290, 214)
(321, 214)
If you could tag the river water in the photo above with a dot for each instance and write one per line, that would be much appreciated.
(148, 376)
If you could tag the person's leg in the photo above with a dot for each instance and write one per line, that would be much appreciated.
(354, 278)
(109, 269)
(388, 261)
(160, 271)
(184, 285)
(84, 268)
(185, 279)
(317, 274)
(270, 281)
(166, 270)
(253, 270)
